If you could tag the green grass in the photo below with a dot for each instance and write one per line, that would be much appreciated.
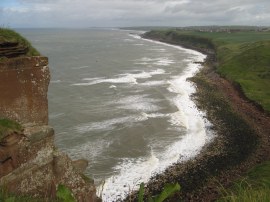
(242, 57)
(63, 194)
(254, 187)
(7, 126)
(8, 35)
(251, 69)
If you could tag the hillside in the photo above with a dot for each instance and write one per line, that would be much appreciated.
(241, 57)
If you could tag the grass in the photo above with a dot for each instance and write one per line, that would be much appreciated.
(254, 187)
(8, 35)
(7, 126)
(251, 69)
(242, 57)
(63, 194)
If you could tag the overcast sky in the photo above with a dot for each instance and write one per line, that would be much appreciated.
(117, 13)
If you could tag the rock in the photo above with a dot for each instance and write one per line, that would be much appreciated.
(30, 164)
(80, 165)
(38, 133)
(36, 168)
(23, 85)
(11, 139)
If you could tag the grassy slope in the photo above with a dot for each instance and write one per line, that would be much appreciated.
(254, 187)
(242, 57)
(8, 35)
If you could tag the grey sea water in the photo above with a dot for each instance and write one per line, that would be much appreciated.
(121, 102)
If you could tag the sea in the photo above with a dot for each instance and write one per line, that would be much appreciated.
(122, 102)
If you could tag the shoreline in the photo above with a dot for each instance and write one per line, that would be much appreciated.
(196, 123)
(232, 152)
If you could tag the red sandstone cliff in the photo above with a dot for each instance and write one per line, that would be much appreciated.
(23, 85)
(30, 164)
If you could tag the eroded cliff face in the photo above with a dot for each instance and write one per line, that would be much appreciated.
(23, 89)
(33, 166)
(30, 164)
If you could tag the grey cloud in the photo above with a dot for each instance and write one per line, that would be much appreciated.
(85, 13)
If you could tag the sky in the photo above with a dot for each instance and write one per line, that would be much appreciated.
(122, 13)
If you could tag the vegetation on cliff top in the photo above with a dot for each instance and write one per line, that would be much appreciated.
(7, 126)
(13, 44)
(242, 57)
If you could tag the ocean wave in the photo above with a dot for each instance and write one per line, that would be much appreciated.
(138, 44)
(55, 81)
(138, 103)
(163, 61)
(89, 150)
(131, 172)
(128, 40)
(162, 50)
(108, 124)
(154, 83)
(121, 78)
(55, 115)
(80, 67)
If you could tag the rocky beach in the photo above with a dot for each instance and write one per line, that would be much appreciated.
(241, 138)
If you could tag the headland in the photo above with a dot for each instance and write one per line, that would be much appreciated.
(238, 110)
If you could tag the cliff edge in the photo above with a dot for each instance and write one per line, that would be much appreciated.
(30, 163)
(23, 85)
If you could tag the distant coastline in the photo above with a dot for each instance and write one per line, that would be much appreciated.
(232, 152)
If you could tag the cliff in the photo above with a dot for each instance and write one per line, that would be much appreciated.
(30, 163)
(23, 85)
